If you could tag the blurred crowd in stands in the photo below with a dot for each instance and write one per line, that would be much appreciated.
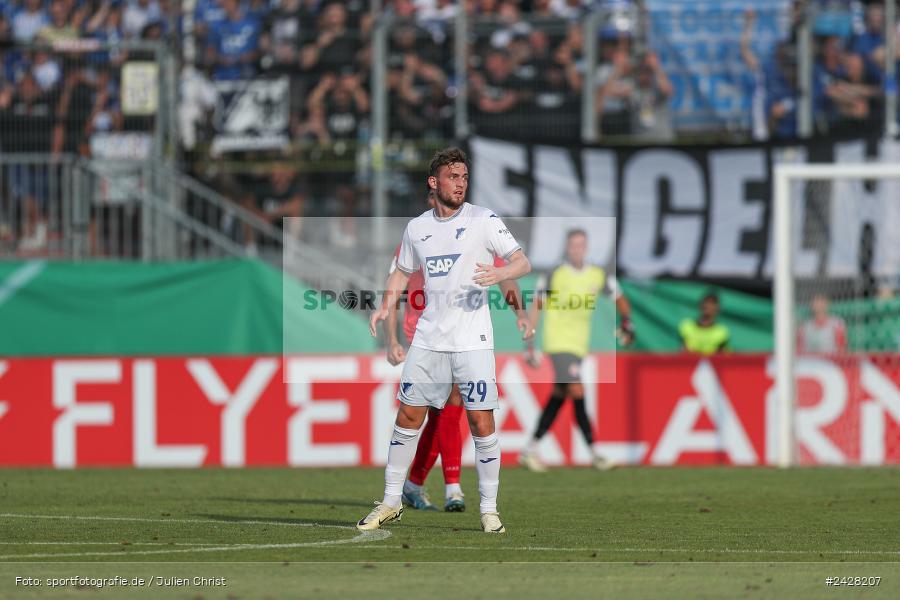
(525, 74)
(60, 78)
(525, 67)
(847, 77)
(61, 69)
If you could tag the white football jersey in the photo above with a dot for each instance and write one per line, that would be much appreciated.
(456, 317)
(828, 337)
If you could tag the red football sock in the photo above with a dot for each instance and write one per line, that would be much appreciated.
(426, 452)
(450, 440)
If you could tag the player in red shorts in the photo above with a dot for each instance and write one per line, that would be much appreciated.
(441, 435)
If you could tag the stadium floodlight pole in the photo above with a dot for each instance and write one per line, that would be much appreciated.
(461, 67)
(588, 85)
(805, 72)
(379, 127)
(785, 386)
(890, 68)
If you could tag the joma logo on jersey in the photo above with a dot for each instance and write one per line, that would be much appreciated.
(439, 266)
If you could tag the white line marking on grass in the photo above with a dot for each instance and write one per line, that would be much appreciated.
(645, 550)
(125, 543)
(152, 520)
(20, 278)
(365, 536)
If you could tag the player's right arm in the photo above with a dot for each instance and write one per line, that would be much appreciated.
(534, 315)
(396, 283)
(531, 353)
(406, 264)
(513, 296)
(396, 354)
(625, 331)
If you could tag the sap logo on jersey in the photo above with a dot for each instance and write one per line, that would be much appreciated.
(439, 266)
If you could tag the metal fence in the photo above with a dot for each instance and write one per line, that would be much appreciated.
(356, 109)
(79, 97)
(146, 210)
(75, 207)
(106, 103)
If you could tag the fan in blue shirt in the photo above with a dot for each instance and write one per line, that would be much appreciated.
(105, 26)
(234, 43)
(867, 42)
(207, 15)
(781, 93)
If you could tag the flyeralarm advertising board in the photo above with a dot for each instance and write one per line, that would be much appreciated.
(338, 410)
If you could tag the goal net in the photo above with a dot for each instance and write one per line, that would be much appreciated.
(837, 314)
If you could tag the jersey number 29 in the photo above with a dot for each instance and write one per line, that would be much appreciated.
(479, 387)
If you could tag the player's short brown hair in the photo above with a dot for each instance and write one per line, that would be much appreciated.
(447, 156)
(710, 296)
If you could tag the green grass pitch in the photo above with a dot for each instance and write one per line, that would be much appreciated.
(634, 532)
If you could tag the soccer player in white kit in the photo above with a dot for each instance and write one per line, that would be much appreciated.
(823, 333)
(455, 244)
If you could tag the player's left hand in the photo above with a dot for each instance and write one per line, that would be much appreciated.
(487, 275)
(523, 324)
(396, 354)
(625, 332)
(377, 316)
(533, 358)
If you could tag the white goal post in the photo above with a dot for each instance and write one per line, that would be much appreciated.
(784, 282)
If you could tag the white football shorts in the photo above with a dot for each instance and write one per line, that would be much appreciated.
(428, 376)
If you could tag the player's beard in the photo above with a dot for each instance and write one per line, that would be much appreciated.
(449, 199)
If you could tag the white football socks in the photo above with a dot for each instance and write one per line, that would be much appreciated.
(452, 488)
(487, 463)
(400, 457)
